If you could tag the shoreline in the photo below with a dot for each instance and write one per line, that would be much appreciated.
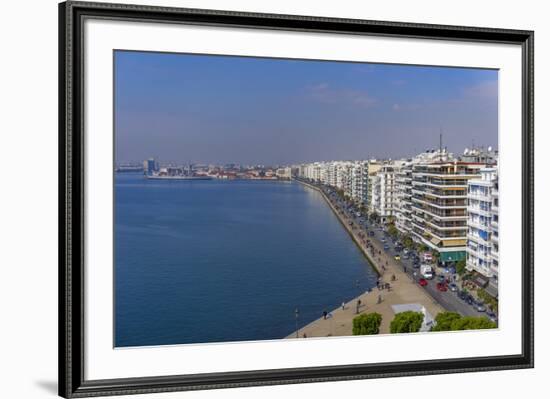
(363, 250)
(404, 291)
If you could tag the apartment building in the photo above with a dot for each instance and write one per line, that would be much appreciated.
(482, 250)
(439, 204)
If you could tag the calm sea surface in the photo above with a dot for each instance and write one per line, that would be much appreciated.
(212, 261)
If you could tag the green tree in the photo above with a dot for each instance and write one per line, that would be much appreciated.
(461, 267)
(367, 324)
(408, 242)
(444, 321)
(491, 302)
(392, 230)
(406, 322)
(472, 323)
(374, 217)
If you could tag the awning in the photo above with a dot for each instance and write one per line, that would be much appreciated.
(453, 256)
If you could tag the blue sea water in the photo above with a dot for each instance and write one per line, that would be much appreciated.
(217, 261)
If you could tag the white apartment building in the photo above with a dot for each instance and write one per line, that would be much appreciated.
(403, 195)
(383, 198)
(349, 176)
(482, 250)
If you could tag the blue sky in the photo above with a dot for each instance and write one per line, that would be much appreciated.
(220, 109)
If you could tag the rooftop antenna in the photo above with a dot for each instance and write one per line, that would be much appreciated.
(440, 143)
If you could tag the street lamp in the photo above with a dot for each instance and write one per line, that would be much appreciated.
(296, 314)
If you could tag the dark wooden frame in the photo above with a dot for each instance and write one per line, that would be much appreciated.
(71, 198)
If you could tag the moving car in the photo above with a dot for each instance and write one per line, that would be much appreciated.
(397, 257)
(423, 282)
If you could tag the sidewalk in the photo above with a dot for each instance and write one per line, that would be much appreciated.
(403, 290)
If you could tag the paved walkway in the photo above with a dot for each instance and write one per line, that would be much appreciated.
(403, 290)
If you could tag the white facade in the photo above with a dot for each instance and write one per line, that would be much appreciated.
(482, 250)
(383, 199)
(349, 176)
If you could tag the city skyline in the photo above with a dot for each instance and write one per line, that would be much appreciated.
(244, 110)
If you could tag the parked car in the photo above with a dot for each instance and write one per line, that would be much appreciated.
(405, 256)
(427, 271)
(423, 282)
(462, 295)
(405, 251)
(441, 287)
(397, 257)
(453, 287)
(469, 299)
(427, 256)
(492, 316)
(386, 247)
(416, 265)
(441, 278)
(480, 306)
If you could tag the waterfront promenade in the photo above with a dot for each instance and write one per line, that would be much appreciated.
(403, 289)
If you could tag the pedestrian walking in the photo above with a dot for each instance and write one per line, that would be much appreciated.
(325, 314)
(358, 305)
(379, 299)
(343, 306)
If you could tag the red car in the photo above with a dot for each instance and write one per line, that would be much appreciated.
(423, 282)
(442, 287)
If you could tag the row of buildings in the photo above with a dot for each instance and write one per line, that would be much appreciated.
(448, 203)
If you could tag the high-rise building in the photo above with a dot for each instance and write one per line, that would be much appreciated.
(439, 204)
(383, 195)
(403, 197)
(482, 252)
(150, 166)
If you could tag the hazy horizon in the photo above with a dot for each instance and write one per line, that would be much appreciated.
(247, 110)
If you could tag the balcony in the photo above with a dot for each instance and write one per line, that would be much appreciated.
(446, 204)
(449, 215)
(477, 239)
(484, 255)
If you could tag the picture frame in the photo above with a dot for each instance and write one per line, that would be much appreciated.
(73, 381)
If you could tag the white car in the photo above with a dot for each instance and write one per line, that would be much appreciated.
(427, 272)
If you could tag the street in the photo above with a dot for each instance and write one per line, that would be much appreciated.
(448, 299)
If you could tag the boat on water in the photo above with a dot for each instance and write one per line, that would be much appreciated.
(157, 177)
